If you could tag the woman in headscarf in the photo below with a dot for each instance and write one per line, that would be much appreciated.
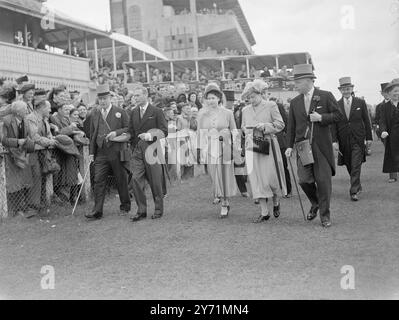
(389, 127)
(263, 159)
(216, 131)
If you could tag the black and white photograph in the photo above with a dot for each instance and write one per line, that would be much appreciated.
(199, 150)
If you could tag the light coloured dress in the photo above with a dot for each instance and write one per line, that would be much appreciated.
(262, 172)
(213, 123)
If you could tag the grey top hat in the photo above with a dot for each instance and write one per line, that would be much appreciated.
(302, 71)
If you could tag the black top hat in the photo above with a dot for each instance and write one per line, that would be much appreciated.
(383, 86)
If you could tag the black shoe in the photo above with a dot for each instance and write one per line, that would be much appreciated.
(156, 216)
(276, 211)
(94, 215)
(256, 201)
(312, 213)
(138, 217)
(326, 224)
(261, 218)
(354, 197)
(123, 213)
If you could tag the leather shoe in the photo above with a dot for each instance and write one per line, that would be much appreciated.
(326, 224)
(312, 213)
(261, 218)
(354, 197)
(156, 216)
(138, 217)
(276, 211)
(123, 213)
(94, 215)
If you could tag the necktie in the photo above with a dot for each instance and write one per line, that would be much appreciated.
(347, 108)
(307, 103)
(141, 113)
(104, 113)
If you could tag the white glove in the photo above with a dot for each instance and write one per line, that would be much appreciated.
(288, 152)
(384, 135)
(145, 136)
(336, 146)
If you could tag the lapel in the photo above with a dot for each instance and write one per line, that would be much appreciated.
(110, 116)
(353, 107)
(313, 104)
(302, 107)
(148, 113)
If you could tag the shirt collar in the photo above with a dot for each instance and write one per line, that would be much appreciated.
(108, 109)
(310, 93)
(145, 106)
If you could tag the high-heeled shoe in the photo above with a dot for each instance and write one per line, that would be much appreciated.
(224, 216)
(276, 211)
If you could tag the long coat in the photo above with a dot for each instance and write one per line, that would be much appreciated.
(354, 130)
(68, 175)
(389, 122)
(16, 178)
(298, 122)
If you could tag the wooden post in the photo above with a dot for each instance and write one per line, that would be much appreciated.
(196, 70)
(147, 70)
(95, 54)
(3, 191)
(86, 46)
(69, 42)
(172, 72)
(223, 71)
(130, 54)
(248, 71)
(277, 63)
(114, 55)
(26, 35)
(84, 168)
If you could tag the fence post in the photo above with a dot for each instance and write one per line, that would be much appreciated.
(3, 191)
(84, 167)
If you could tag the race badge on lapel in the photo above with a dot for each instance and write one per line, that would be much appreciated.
(118, 115)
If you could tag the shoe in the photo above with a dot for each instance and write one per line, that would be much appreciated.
(30, 213)
(94, 215)
(392, 180)
(261, 218)
(245, 194)
(256, 201)
(123, 213)
(354, 197)
(289, 195)
(312, 213)
(216, 201)
(326, 224)
(224, 216)
(276, 211)
(138, 217)
(156, 216)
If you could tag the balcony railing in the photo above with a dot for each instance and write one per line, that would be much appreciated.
(45, 69)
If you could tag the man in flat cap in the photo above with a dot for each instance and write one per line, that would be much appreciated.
(351, 133)
(106, 123)
(311, 114)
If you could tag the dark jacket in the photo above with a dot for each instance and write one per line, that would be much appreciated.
(153, 119)
(389, 115)
(298, 122)
(354, 130)
(117, 121)
(281, 136)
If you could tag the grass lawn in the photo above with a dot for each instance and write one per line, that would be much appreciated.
(191, 254)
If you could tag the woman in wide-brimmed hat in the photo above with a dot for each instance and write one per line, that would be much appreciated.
(216, 128)
(389, 127)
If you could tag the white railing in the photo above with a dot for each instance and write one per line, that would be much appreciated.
(45, 69)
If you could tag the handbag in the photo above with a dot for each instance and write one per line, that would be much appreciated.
(261, 142)
(49, 163)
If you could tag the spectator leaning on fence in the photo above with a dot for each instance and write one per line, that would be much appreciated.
(18, 171)
(66, 180)
(39, 131)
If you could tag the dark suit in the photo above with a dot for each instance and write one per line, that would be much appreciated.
(351, 135)
(389, 122)
(107, 155)
(315, 179)
(142, 170)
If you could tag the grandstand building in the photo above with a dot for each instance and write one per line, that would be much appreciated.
(183, 29)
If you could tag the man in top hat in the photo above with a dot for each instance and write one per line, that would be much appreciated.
(311, 114)
(351, 133)
(147, 125)
(378, 107)
(28, 93)
(106, 123)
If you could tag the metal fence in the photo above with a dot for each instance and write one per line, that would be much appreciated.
(30, 183)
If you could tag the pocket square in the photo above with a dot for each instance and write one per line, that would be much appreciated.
(150, 117)
(319, 107)
(358, 109)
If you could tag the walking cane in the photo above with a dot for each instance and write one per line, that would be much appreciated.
(297, 189)
(277, 166)
(80, 191)
(223, 182)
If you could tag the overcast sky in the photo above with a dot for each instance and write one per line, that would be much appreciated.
(365, 48)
